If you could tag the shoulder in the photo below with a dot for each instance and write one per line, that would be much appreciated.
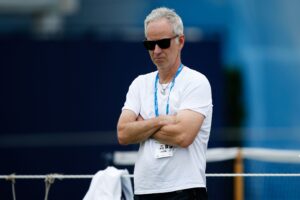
(144, 80)
(194, 77)
(145, 77)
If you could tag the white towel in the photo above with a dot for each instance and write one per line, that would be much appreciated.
(108, 185)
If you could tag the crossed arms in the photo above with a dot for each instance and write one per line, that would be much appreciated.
(176, 130)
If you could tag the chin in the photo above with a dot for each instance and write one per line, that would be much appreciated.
(160, 63)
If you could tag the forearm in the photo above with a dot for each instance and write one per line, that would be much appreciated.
(170, 134)
(182, 131)
(137, 131)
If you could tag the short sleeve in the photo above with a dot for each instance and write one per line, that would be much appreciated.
(197, 96)
(133, 98)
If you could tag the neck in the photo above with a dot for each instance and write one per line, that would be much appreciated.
(166, 75)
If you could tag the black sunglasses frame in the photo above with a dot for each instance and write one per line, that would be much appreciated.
(162, 43)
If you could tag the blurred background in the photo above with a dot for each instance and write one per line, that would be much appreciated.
(66, 66)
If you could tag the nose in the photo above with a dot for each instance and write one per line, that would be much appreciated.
(157, 49)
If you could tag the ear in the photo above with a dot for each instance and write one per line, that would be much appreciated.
(181, 40)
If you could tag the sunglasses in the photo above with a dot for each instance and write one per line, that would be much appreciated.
(163, 43)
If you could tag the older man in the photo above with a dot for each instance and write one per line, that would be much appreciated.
(168, 112)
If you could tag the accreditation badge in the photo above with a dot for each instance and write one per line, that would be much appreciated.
(163, 150)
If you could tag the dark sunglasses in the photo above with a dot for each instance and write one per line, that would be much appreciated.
(163, 43)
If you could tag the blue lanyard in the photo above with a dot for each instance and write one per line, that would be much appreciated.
(171, 87)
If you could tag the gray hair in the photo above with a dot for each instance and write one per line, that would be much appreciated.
(165, 13)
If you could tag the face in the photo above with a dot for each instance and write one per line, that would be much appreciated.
(169, 57)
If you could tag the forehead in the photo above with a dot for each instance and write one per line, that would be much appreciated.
(159, 28)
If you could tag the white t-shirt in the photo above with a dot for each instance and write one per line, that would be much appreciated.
(186, 167)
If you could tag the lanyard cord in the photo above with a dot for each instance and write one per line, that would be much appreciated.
(155, 91)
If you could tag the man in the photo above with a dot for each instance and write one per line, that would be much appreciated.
(168, 112)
